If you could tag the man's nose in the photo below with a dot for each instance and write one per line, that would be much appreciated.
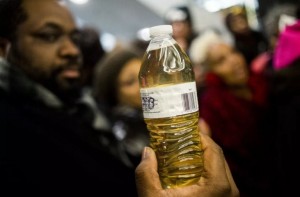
(69, 48)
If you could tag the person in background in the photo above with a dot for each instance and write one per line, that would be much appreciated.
(48, 144)
(281, 120)
(248, 41)
(117, 87)
(198, 51)
(277, 17)
(92, 52)
(284, 114)
(181, 20)
(233, 104)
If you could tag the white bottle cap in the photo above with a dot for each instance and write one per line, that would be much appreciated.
(160, 29)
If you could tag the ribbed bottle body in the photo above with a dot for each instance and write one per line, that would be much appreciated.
(170, 107)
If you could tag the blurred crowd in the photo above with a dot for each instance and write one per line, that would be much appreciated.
(248, 93)
(249, 96)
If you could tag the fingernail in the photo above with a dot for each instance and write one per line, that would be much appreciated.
(145, 152)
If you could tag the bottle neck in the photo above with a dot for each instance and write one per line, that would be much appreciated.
(161, 41)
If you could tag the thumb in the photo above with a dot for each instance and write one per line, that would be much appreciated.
(146, 176)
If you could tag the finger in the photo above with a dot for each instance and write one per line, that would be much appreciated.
(204, 127)
(147, 178)
(214, 159)
(235, 190)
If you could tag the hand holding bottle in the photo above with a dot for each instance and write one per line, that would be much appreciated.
(216, 180)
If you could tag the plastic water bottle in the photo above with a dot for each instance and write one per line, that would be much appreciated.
(170, 108)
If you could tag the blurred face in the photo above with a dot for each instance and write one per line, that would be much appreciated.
(228, 64)
(128, 84)
(181, 32)
(239, 24)
(181, 29)
(45, 45)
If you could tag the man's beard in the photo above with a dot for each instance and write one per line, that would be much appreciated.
(68, 90)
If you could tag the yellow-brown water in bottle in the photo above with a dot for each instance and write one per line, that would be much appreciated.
(170, 107)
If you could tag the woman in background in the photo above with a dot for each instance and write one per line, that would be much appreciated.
(232, 104)
(116, 89)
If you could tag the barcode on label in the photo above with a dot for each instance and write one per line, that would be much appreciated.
(189, 101)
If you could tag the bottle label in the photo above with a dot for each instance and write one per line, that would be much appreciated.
(161, 44)
(169, 101)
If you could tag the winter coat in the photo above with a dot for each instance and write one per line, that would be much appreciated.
(47, 149)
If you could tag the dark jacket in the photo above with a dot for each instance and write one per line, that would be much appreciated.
(284, 119)
(48, 150)
(131, 131)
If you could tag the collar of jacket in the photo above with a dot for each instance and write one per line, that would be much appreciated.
(17, 84)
